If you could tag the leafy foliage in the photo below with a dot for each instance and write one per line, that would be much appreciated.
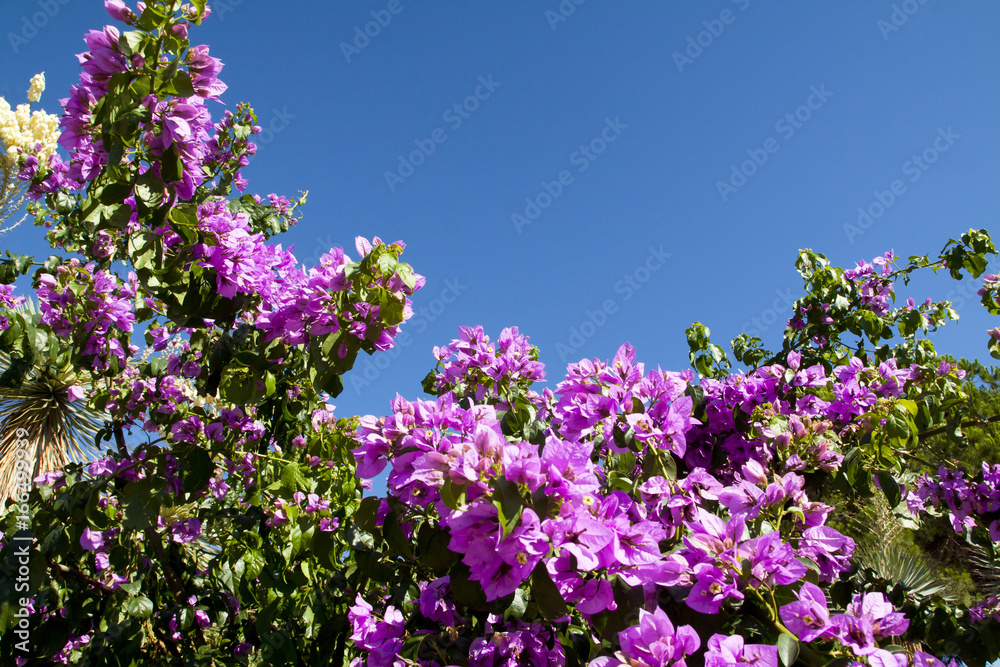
(626, 516)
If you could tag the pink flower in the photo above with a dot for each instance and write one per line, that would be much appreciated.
(119, 11)
(92, 540)
(75, 393)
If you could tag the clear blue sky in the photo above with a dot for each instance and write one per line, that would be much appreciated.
(662, 118)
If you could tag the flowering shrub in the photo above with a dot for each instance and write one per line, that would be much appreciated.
(624, 516)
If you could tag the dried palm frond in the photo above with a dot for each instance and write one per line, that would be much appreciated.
(39, 417)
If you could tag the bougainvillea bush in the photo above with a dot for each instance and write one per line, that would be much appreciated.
(622, 515)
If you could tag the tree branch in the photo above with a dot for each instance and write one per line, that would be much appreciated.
(974, 422)
(85, 578)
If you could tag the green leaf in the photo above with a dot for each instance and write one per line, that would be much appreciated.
(171, 166)
(889, 487)
(292, 478)
(182, 85)
(432, 547)
(788, 649)
(367, 512)
(141, 506)
(139, 607)
(394, 536)
(197, 470)
(466, 592)
(131, 42)
(13, 375)
(546, 595)
(254, 562)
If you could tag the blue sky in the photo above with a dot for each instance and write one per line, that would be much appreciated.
(618, 121)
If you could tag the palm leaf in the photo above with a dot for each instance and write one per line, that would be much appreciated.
(884, 550)
(39, 417)
(983, 568)
(898, 564)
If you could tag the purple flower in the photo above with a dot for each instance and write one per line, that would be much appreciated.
(808, 618)
(654, 642)
(503, 568)
(119, 11)
(829, 549)
(881, 658)
(383, 639)
(516, 643)
(853, 632)
(55, 478)
(879, 612)
(92, 540)
(204, 70)
(772, 561)
(725, 651)
(102, 467)
(7, 299)
(921, 659)
(185, 531)
(712, 588)
(434, 602)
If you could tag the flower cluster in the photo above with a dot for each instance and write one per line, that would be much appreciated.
(654, 641)
(93, 308)
(473, 364)
(867, 620)
(380, 638)
(175, 132)
(24, 131)
(241, 261)
(617, 403)
(874, 288)
(966, 499)
(313, 303)
(719, 534)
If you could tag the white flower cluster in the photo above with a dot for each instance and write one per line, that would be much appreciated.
(27, 131)
(37, 87)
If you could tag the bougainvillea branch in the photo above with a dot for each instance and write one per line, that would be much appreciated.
(623, 515)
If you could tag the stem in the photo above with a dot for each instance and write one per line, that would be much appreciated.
(173, 580)
(84, 578)
(806, 654)
(971, 422)
(120, 440)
